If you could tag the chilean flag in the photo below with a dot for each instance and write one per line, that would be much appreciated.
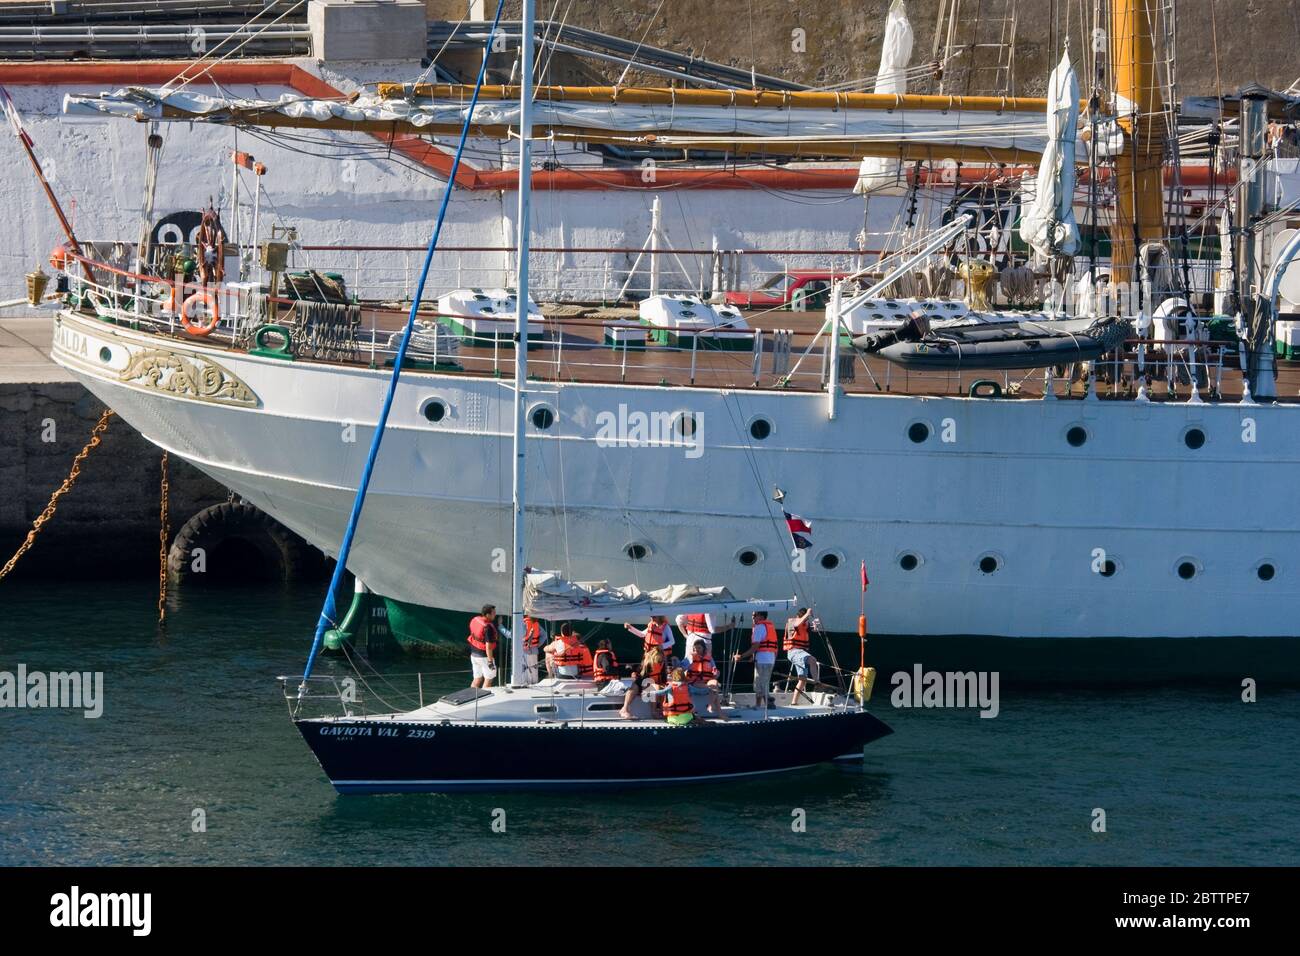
(799, 531)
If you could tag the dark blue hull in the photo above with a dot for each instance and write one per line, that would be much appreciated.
(385, 756)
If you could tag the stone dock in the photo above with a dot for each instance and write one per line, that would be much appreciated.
(107, 524)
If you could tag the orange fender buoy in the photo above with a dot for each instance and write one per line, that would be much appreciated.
(191, 308)
(59, 258)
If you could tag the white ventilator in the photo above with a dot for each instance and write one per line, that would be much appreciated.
(1048, 224)
(896, 53)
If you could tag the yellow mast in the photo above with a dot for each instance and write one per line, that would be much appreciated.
(1139, 205)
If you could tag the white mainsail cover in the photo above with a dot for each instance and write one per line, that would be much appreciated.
(549, 596)
(895, 55)
(1048, 224)
(931, 128)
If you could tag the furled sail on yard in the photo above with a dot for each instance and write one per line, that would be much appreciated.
(993, 128)
(549, 596)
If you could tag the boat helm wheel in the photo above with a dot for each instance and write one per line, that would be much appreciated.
(192, 313)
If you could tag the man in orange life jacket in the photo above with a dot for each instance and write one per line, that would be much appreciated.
(483, 637)
(568, 655)
(656, 634)
(762, 648)
(696, 628)
(796, 650)
(702, 677)
(678, 709)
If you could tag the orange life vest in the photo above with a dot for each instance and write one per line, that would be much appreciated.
(696, 624)
(796, 636)
(604, 664)
(678, 699)
(571, 654)
(532, 634)
(702, 671)
(585, 667)
(655, 672)
(654, 635)
(767, 640)
(482, 635)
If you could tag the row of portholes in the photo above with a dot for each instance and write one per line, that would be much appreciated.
(1186, 568)
(543, 417)
(1076, 435)
(746, 557)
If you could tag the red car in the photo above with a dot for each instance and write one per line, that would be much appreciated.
(799, 290)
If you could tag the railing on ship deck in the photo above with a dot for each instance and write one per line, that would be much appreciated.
(772, 355)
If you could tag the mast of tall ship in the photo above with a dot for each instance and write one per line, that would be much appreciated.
(526, 41)
(1139, 183)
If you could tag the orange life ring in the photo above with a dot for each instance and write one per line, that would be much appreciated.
(201, 297)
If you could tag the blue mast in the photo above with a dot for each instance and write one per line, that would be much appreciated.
(329, 610)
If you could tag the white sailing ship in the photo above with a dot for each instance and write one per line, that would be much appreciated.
(985, 504)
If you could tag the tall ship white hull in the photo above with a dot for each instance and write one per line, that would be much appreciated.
(994, 524)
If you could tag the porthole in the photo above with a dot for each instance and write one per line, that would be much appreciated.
(684, 425)
(1077, 436)
(1108, 568)
(918, 432)
(434, 410)
(748, 557)
(760, 429)
(636, 551)
(1186, 570)
(829, 561)
(989, 563)
(1193, 438)
(1265, 572)
(106, 354)
(909, 561)
(542, 417)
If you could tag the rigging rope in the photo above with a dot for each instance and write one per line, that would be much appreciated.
(329, 610)
(164, 489)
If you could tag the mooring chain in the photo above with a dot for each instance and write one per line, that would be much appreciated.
(163, 495)
(95, 434)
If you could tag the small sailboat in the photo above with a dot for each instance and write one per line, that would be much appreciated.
(560, 732)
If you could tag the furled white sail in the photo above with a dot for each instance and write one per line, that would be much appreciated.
(549, 596)
(1048, 224)
(673, 125)
(895, 55)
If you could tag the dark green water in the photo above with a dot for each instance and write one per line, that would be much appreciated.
(1186, 772)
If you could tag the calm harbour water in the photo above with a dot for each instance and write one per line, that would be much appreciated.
(1186, 772)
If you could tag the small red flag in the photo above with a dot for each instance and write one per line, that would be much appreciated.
(865, 582)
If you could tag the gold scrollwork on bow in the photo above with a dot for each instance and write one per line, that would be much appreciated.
(195, 378)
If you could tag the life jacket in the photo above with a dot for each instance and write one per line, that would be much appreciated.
(604, 664)
(678, 699)
(656, 672)
(796, 637)
(482, 635)
(768, 640)
(702, 671)
(654, 635)
(532, 634)
(696, 624)
(585, 668)
(571, 654)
